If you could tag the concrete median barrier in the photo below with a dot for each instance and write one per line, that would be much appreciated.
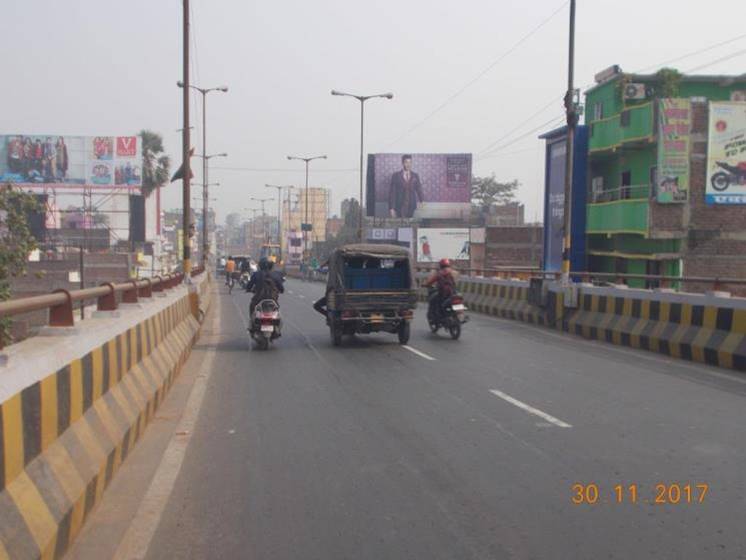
(74, 403)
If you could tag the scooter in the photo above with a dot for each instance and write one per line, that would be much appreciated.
(736, 175)
(450, 316)
(266, 323)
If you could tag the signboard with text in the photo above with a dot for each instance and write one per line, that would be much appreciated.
(674, 127)
(726, 153)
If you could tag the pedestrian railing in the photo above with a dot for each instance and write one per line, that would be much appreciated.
(108, 296)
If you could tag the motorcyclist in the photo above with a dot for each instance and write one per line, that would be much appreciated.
(444, 280)
(265, 283)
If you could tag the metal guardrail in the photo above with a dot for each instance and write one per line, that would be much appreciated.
(629, 192)
(662, 281)
(60, 303)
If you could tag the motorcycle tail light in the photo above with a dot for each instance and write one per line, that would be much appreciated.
(457, 300)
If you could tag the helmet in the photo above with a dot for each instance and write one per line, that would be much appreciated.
(444, 263)
(265, 264)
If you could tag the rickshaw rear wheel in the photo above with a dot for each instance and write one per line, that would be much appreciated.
(335, 331)
(404, 332)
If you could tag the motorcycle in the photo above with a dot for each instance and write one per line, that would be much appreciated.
(450, 315)
(243, 281)
(266, 323)
(736, 175)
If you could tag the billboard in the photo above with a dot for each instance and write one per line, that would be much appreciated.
(554, 218)
(726, 153)
(674, 126)
(434, 244)
(416, 186)
(52, 160)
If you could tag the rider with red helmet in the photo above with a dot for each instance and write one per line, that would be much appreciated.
(445, 280)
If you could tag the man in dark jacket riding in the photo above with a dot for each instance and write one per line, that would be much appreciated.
(265, 283)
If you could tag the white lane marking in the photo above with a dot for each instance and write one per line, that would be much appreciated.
(301, 296)
(140, 533)
(420, 354)
(290, 292)
(531, 409)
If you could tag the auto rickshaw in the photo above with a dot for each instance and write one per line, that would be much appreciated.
(370, 288)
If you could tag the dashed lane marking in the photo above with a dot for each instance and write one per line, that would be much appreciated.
(531, 409)
(418, 352)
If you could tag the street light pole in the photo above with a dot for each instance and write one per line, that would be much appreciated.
(264, 220)
(362, 99)
(279, 209)
(205, 194)
(186, 219)
(569, 147)
(305, 229)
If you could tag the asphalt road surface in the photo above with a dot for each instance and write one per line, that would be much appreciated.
(446, 449)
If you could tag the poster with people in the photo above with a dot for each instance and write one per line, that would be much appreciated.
(434, 244)
(726, 153)
(417, 186)
(44, 160)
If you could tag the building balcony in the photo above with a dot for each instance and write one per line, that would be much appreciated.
(633, 125)
(621, 210)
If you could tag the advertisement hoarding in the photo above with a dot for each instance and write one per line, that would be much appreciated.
(416, 186)
(87, 161)
(555, 205)
(674, 126)
(434, 244)
(726, 153)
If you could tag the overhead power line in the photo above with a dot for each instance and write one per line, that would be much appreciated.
(691, 54)
(716, 61)
(480, 74)
(554, 121)
(522, 124)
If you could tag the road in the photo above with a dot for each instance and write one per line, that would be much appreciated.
(448, 449)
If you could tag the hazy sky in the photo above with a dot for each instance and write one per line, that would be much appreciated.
(103, 67)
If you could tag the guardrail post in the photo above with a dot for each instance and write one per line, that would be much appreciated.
(158, 284)
(146, 291)
(130, 294)
(107, 302)
(62, 315)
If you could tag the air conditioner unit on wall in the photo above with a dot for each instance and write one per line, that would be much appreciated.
(634, 91)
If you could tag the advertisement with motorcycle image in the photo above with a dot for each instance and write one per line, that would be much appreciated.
(726, 153)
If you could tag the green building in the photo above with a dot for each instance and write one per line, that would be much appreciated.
(633, 226)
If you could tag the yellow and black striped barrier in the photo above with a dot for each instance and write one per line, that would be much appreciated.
(63, 438)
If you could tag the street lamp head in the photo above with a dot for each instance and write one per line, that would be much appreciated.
(335, 92)
(224, 89)
(388, 95)
(223, 155)
(290, 157)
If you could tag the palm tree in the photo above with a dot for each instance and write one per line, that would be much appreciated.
(156, 166)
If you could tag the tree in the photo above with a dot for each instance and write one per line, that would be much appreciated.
(156, 166)
(487, 192)
(16, 241)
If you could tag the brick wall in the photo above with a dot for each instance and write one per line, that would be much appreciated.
(513, 246)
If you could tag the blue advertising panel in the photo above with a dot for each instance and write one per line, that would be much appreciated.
(554, 198)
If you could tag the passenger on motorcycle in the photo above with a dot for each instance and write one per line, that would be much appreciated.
(265, 283)
(444, 280)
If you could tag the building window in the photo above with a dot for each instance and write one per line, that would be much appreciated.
(624, 118)
(598, 110)
(624, 191)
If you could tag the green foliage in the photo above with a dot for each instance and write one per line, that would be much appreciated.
(156, 166)
(487, 192)
(669, 80)
(16, 241)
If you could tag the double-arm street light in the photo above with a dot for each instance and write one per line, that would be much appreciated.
(362, 99)
(307, 224)
(264, 219)
(279, 208)
(204, 92)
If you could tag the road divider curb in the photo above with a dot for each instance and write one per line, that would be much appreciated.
(64, 436)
